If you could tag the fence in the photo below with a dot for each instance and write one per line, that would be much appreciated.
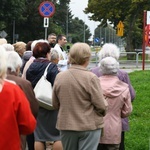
(136, 62)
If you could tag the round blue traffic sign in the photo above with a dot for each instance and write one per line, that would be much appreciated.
(97, 40)
(47, 9)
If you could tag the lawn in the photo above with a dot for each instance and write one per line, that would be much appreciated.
(138, 137)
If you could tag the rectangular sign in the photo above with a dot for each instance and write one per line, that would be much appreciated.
(148, 17)
(46, 22)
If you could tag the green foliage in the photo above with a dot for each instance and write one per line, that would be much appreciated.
(139, 135)
(130, 12)
(25, 17)
(77, 28)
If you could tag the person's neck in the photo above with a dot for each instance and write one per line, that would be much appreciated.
(11, 72)
(85, 64)
(52, 45)
(59, 44)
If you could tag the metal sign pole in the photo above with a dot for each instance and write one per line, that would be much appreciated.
(143, 46)
(46, 10)
(45, 33)
(13, 31)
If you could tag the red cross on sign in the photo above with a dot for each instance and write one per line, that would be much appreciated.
(47, 9)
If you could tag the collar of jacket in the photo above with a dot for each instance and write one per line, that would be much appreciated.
(41, 59)
(11, 72)
(78, 67)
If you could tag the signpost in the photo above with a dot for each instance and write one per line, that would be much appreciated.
(145, 34)
(96, 40)
(3, 34)
(46, 10)
(120, 28)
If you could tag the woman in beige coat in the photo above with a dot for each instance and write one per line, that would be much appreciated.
(78, 96)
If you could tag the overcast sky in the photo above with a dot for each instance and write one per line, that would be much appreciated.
(77, 7)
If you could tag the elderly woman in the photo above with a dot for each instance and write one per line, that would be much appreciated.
(3, 41)
(26, 55)
(20, 48)
(111, 50)
(16, 116)
(78, 96)
(46, 119)
(54, 56)
(14, 63)
(118, 97)
(8, 47)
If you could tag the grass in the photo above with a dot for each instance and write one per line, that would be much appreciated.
(138, 137)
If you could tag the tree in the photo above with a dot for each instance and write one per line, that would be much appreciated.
(9, 11)
(79, 31)
(130, 12)
(22, 17)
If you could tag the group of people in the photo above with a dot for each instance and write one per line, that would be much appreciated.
(90, 106)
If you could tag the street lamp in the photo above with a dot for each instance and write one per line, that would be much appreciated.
(14, 24)
(84, 32)
(67, 18)
(67, 24)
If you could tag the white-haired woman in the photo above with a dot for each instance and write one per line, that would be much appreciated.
(54, 56)
(3, 41)
(14, 63)
(78, 96)
(111, 50)
(118, 97)
(16, 116)
(8, 47)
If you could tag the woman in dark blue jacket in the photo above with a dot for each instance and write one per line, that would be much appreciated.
(46, 119)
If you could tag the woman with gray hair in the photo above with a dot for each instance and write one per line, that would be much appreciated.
(16, 116)
(54, 56)
(14, 63)
(118, 97)
(111, 50)
(8, 47)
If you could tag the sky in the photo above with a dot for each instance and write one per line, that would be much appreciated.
(77, 7)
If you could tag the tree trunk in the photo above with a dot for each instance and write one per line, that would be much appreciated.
(129, 47)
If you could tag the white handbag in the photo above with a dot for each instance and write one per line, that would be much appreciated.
(43, 91)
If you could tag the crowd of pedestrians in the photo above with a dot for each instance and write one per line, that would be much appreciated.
(90, 106)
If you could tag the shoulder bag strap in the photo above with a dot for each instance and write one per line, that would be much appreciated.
(45, 72)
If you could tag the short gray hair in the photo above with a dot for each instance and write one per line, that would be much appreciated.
(8, 47)
(54, 54)
(3, 41)
(13, 60)
(109, 66)
(109, 50)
